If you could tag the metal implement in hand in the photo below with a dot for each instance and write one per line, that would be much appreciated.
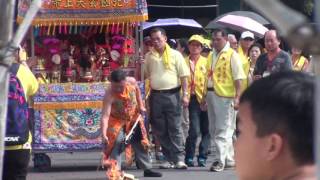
(130, 134)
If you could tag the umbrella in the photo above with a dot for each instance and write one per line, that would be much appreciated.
(241, 23)
(213, 24)
(175, 27)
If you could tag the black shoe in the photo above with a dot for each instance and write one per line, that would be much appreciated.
(217, 167)
(150, 173)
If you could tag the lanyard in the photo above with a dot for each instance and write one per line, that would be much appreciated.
(210, 73)
(192, 73)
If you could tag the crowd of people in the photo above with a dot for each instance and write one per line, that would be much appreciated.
(206, 92)
(247, 102)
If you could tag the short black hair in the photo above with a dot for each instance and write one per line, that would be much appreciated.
(184, 44)
(222, 31)
(172, 43)
(206, 50)
(283, 103)
(118, 75)
(158, 29)
(277, 34)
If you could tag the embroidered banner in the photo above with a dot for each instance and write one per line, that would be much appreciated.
(86, 12)
(67, 116)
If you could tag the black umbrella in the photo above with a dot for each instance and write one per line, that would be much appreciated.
(175, 27)
(213, 24)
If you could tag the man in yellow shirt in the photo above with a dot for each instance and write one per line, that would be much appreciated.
(167, 71)
(16, 157)
(198, 124)
(225, 74)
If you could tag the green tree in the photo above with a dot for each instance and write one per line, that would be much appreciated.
(305, 6)
(309, 6)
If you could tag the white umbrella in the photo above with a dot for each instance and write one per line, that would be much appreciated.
(241, 23)
(176, 27)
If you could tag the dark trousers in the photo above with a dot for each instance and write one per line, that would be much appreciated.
(166, 120)
(15, 165)
(142, 156)
(199, 125)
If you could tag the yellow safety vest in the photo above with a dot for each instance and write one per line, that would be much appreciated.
(246, 68)
(223, 82)
(198, 77)
(299, 64)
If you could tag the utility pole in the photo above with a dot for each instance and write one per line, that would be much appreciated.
(8, 46)
(218, 8)
(6, 21)
(182, 9)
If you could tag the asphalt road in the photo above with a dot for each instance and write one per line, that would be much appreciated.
(84, 166)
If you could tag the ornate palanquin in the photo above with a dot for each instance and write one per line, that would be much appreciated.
(67, 116)
(86, 12)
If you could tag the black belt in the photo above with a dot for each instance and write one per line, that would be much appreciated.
(169, 91)
(210, 89)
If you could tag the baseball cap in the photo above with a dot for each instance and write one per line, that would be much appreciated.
(196, 37)
(247, 34)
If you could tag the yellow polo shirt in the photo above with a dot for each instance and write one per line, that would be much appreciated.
(162, 78)
(30, 86)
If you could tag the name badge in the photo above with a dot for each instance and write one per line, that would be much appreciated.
(266, 73)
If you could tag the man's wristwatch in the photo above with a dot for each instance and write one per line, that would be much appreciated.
(185, 93)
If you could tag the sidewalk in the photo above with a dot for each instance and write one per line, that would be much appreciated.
(84, 166)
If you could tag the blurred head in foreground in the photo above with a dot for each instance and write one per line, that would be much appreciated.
(275, 128)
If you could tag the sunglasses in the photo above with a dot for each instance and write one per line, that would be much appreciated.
(248, 39)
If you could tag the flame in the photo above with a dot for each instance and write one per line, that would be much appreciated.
(113, 172)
